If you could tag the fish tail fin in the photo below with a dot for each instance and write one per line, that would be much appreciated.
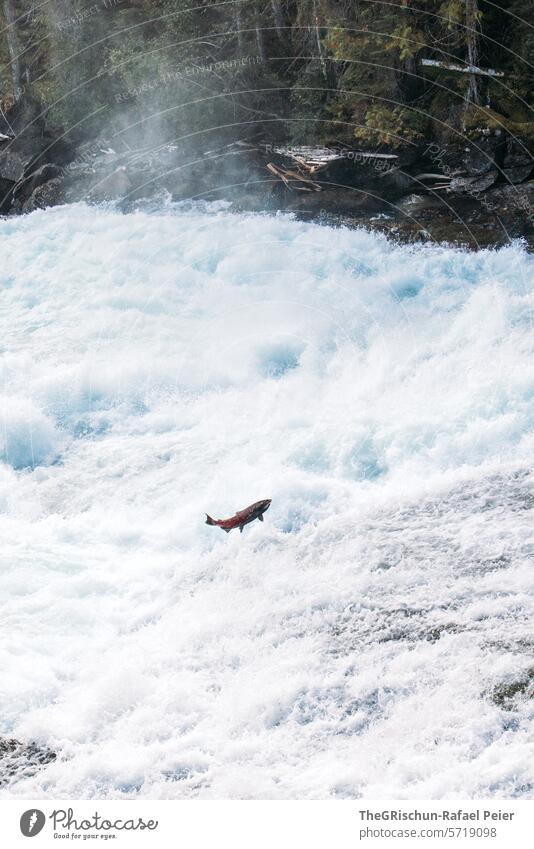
(210, 521)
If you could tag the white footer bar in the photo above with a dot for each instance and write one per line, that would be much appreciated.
(267, 825)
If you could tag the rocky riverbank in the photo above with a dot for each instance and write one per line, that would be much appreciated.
(478, 194)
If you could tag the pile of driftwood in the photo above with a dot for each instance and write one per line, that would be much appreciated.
(308, 162)
(299, 178)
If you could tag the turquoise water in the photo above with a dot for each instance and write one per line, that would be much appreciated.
(160, 365)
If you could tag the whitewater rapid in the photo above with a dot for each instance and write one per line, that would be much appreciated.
(374, 636)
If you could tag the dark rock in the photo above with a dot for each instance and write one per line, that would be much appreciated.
(516, 154)
(48, 194)
(515, 198)
(146, 182)
(414, 203)
(112, 186)
(396, 181)
(32, 142)
(58, 149)
(26, 115)
(517, 163)
(13, 163)
(99, 174)
(483, 154)
(514, 206)
(22, 760)
(26, 187)
(6, 195)
(517, 174)
(349, 202)
(180, 189)
(474, 184)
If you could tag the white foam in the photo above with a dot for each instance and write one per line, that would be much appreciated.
(160, 365)
(28, 438)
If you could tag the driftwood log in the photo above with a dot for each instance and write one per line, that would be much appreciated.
(297, 180)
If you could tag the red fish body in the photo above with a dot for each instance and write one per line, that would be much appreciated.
(242, 517)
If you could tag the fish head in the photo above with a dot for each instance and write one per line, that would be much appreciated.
(265, 504)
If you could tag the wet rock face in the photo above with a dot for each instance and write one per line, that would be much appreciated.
(353, 202)
(113, 186)
(31, 153)
(475, 184)
(517, 173)
(518, 164)
(30, 133)
(484, 155)
(26, 117)
(515, 198)
(488, 173)
(6, 195)
(22, 760)
(27, 186)
(47, 194)
(13, 163)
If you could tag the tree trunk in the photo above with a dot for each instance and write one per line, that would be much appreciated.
(318, 40)
(13, 47)
(471, 22)
(278, 16)
(259, 33)
(239, 28)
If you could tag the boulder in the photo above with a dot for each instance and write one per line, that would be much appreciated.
(47, 194)
(13, 163)
(6, 195)
(113, 186)
(353, 203)
(27, 141)
(474, 185)
(26, 187)
(414, 203)
(518, 199)
(26, 116)
(517, 173)
(483, 154)
(518, 164)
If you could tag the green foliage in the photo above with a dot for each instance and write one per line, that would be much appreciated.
(406, 40)
(392, 127)
(303, 69)
(344, 45)
(453, 11)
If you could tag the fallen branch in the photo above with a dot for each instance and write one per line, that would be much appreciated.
(289, 177)
(461, 69)
(431, 177)
(310, 167)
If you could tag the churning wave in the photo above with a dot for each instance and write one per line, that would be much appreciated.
(374, 636)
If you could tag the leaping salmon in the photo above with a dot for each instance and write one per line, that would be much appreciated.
(242, 517)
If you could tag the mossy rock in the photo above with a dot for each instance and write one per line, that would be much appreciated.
(477, 119)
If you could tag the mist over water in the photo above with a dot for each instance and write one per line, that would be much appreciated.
(374, 635)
